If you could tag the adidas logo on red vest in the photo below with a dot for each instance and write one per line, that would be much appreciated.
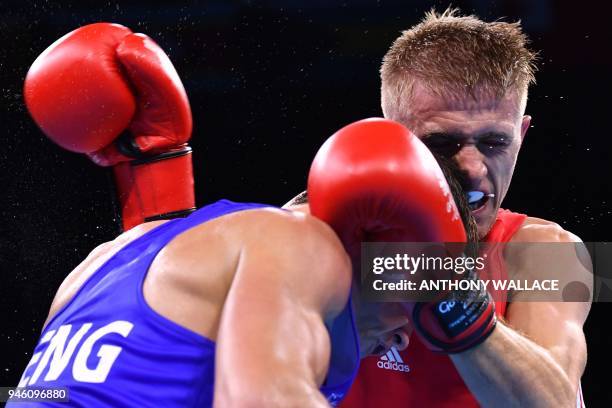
(392, 361)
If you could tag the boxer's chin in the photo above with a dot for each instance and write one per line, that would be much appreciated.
(484, 217)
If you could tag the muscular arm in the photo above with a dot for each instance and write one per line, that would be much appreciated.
(537, 356)
(273, 347)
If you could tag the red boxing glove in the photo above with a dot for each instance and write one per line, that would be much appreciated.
(375, 181)
(100, 80)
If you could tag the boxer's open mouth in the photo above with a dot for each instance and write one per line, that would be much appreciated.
(478, 199)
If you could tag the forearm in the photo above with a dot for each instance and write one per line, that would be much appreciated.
(510, 370)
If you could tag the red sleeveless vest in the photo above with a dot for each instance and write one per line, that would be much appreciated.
(417, 377)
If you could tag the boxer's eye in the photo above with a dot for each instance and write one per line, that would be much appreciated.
(443, 145)
(493, 143)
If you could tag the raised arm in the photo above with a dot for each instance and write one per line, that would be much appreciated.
(273, 348)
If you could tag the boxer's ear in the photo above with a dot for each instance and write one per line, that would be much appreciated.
(524, 126)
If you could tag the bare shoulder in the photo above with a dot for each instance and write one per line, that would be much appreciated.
(215, 247)
(307, 253)
(530, 245)
(289, 230)
(546, 250)
(296, 234)
(264, 247)
(540, 230)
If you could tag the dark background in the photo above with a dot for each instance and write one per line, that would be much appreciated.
(268, 82)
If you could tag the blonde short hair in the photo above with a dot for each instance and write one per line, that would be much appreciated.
(454, 56)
